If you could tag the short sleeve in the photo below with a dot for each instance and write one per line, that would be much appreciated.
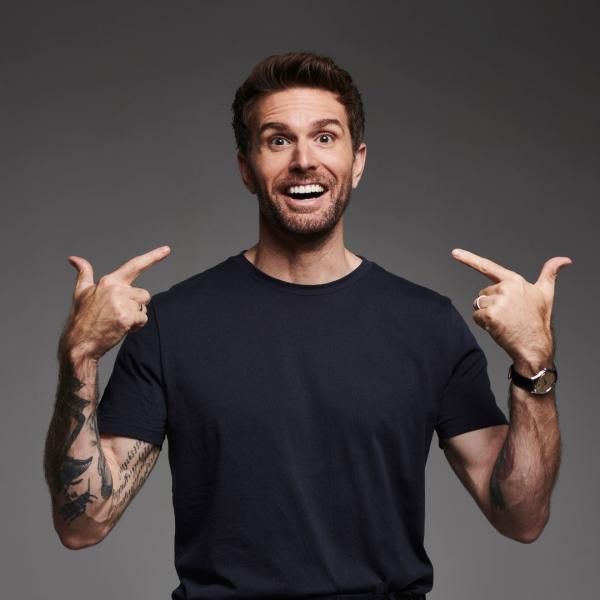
(134, 403)
(468, 402)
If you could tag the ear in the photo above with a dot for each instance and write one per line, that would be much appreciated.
(246, 172)
(358, 165)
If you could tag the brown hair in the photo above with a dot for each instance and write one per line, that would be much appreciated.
(296, 69)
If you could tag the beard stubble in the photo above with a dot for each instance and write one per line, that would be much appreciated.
(310, 226)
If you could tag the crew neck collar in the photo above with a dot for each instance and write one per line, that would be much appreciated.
(303, 288)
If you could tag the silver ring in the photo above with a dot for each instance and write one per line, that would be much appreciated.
(476, 303)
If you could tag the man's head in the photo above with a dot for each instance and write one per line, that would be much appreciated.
(296, 69)
(298, 119)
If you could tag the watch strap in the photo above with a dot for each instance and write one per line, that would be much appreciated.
(530, 384)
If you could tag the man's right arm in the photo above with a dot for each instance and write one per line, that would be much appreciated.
(91, 478)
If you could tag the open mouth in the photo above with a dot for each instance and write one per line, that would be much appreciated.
(305, 192)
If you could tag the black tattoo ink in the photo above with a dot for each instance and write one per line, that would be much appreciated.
(135, 470)
(76, 505)
(61, 469)
(69, 468)
(103, 470)
(502, 470)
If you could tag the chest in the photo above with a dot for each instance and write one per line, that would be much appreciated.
(358, 377)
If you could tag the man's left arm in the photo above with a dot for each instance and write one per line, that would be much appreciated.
(511, 471)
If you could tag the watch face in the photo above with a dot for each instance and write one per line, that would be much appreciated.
(545, 383)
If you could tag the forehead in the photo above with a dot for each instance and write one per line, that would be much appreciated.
(297, 107)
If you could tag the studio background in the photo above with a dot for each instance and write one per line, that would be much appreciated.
(482, 130)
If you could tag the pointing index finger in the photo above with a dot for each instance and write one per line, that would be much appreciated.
(484, 265)
(132, 269)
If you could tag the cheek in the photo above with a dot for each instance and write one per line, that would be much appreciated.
(337, 165)
(269, 170)
(340, 163)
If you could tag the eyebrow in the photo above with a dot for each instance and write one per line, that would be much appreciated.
(320, 124)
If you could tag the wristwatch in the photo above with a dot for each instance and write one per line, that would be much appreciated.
(541, 383)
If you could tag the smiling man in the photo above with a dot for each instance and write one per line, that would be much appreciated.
(302, 165)
(300, 384)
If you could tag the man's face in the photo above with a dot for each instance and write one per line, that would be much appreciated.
(301, 164)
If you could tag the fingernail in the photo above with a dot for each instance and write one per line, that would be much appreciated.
(456, 251)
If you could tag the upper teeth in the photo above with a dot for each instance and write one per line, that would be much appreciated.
(305, 189)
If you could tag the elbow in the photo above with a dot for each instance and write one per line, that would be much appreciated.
(76, 542)
(526, 534)
(78, 539)
(79, 533)
(528, 537)
(72, 543)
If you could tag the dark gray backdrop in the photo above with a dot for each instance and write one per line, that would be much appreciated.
(482, 129)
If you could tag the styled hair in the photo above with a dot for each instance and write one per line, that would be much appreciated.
(295, 69)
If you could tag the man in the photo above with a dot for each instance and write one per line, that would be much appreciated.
(300, 384)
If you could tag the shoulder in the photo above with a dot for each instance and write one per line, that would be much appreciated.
(408, 295)
(427, 316)
(196, 288)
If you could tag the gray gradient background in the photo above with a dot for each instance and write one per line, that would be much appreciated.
(483, 133)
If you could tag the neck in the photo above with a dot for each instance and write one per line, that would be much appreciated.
(303, 261)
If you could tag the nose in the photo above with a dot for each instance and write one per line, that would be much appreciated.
(303, 159)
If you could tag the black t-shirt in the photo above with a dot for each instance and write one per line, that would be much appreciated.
(299, 420)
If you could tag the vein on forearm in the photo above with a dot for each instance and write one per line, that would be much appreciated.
(527, 465)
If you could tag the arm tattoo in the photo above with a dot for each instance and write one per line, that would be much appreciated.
(103, 470)
(62, 470)
(502, 470)
(72, 445)
(133, 471)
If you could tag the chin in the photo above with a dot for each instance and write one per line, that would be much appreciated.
(302, 225)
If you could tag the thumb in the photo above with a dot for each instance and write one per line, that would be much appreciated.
(549, 272)
(85, 273)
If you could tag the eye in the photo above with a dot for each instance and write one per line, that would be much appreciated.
(278, 140)
(326, 138)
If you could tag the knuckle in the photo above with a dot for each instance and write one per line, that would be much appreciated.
(139, 323)
(123, 318)
(482, 318)
(144, 295)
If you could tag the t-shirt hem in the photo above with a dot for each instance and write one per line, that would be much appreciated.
(115, 427)
(471, 426)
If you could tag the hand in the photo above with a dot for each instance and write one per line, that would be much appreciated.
(101, 314)
(516, 313)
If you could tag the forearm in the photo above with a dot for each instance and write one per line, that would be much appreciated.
(78, 476)
(525, 472)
